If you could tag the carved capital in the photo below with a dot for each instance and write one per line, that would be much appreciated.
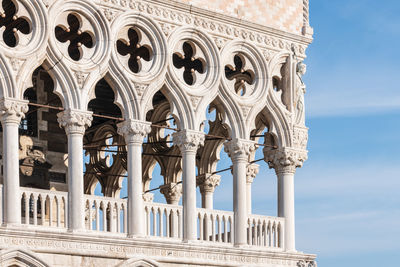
(172, 193)
(148, 197)
(285, 160)
(75, 121)
(239, 148)
(303, 263)
(188, 140)
(252, 171)
(13, 110)
(134, 131)
(208, 182)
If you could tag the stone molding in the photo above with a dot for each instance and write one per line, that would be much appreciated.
(148, 197)
(172, 192)
(208, 182)
(114, 246)
(75, 121)
(188, 140)
(252, 171)
(285, 160)
(239, 148)
(134, 131)
(13, 110)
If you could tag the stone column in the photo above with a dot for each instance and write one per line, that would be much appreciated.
(239, 151)
(11, 113)
(252, 171)
(207, 183)
(285, 161)
(75, 123)
(134, 132)
(188, 142)
(172, 193)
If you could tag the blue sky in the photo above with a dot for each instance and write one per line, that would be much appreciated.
(348, 192)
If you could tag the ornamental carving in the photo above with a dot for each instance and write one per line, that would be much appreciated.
(134, 131)
(251, 173)
(172, 192)
(75, 121)
(304, 263)
(208, 182)
(300, 90)
(285, 160)
(239, 74)
(300, 137)
(12, 110)
(188, 140)
(239, 148)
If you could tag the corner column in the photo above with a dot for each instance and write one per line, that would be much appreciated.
(75, 123)
(188, 142)
(285, 161)
(11, 113)
(252, 171)
(239, 151)
(134, 132)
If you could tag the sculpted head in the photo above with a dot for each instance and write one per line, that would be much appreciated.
(301, 68)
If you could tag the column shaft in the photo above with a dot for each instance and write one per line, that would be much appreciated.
(135, 191)
(248, 197)
(76, 209)
(207, 200)
(239, 201)
(12, 198)
(286, 207)
(189, 195)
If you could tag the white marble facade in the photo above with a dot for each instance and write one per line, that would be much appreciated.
(160, 61)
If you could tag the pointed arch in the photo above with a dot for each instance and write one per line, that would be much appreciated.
(139, 263)
(20, 258)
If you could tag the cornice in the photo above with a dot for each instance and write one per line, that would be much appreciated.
(232, 28)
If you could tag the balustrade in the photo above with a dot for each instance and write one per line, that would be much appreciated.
(215, 225)
(44, 208)
(265, 231)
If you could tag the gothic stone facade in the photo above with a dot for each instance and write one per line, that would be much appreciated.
(129, 84)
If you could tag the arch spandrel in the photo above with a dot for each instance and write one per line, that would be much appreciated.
(137, 87)
(78, 45)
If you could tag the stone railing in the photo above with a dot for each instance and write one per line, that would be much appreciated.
(163, 220)
(44, 207)
(105, 214)
(265, 231)
(215, 225)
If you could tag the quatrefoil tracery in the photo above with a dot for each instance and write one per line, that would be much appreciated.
(75, 36)
(136, 51)
(190, 64)
(12, 23)
(239, 74)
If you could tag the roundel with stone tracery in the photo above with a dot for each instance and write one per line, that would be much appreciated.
(139, 47)
(194, 62)
(22, 27)
(245, 75)
(80, 34)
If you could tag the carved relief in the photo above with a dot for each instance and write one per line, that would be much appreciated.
(300, 90)
(285, 160)
(188, 140)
